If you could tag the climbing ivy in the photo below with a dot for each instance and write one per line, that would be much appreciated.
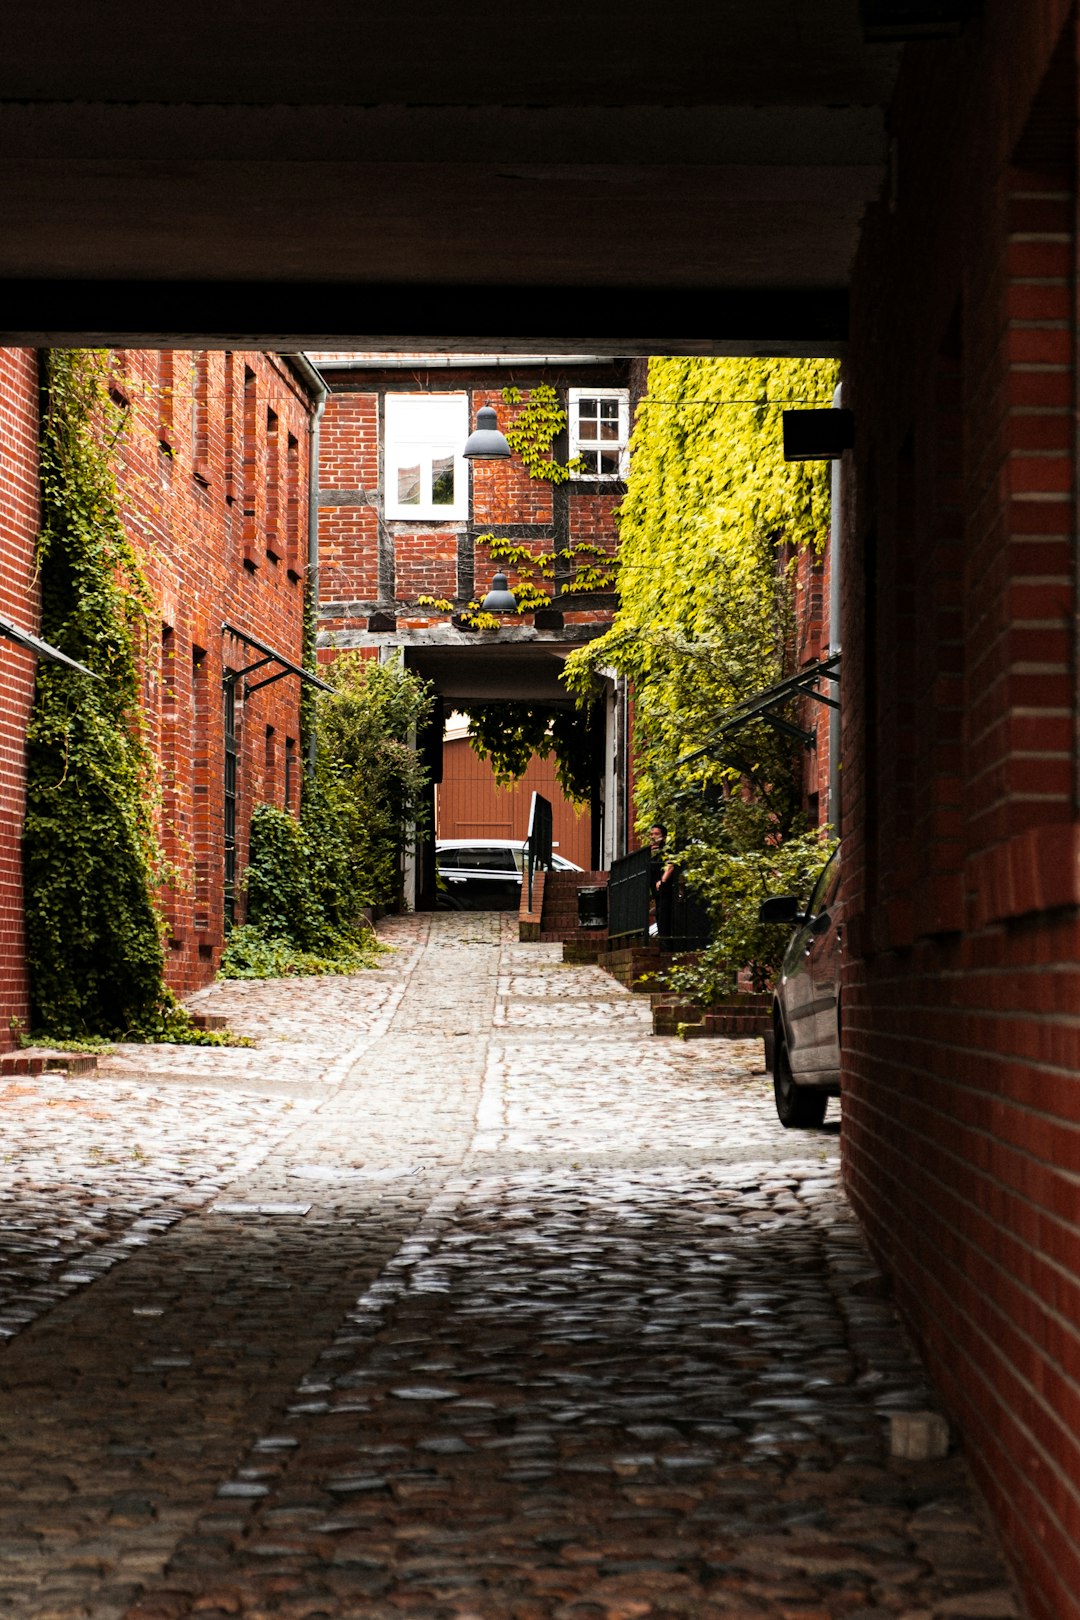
(509, 734)
(537, 423)
(586, 568)
(706, 618)
(92, 862)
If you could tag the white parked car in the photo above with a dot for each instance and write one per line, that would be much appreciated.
(484, 874)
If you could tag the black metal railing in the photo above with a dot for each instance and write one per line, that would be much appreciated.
(538, 845)
(681, 920)
(232, 760)
(628, 899)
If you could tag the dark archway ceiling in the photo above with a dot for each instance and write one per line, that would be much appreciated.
(631, 178)
(500, 671)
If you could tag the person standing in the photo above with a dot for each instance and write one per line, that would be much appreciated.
(661, 880)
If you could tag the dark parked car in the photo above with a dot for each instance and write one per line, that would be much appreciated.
(483, 874)
(802, 1048)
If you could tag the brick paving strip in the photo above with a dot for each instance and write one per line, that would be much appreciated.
(460, 1296)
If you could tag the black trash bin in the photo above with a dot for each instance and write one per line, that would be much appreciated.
(592, 908)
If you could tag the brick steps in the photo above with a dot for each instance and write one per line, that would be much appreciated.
(741, 1017)
(44, 1060)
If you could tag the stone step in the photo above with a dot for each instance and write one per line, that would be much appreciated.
(46, 1060)
(209, 1021)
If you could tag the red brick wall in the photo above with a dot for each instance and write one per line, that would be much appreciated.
(422, 559)
(961, 1139)
(18, 604)
(213, 472)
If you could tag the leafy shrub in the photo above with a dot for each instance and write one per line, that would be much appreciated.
(310, 883)
(733, 883)
(251, 954)
(367, 792)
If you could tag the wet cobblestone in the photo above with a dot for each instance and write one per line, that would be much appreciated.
(570, 1327)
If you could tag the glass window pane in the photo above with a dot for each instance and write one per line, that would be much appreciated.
(609, 410)
(609, 430)
(587, 431)
(486, 859)
(408, 486)
(609, 461)
(589, 461)
(587, 407)
(442, 481)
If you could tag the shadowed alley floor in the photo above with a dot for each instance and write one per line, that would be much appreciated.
(459, 1295)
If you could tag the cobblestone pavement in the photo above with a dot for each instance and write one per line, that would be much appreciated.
(459, 1296)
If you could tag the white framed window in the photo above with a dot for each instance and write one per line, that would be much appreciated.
(426, 475)
(600, 431)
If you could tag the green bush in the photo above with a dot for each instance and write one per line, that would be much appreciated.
(251, 954)
(367, 791)
(733, 883)
(711, 519)
(310, 884)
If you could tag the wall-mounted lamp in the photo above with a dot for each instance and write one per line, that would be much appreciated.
(486, 443)
(818, 435)
(500, 599)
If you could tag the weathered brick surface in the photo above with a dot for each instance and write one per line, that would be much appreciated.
(213, 471)
(18, 604)
(961, 1049)
(212, 467)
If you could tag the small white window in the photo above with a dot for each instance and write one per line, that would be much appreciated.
(426, 474)
(599, 431)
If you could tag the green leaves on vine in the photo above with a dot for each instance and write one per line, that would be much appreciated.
(538, 421)
(92, 863)
(706, 619)
(509, 734)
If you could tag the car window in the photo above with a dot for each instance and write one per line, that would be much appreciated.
(448, 857)
(825, 885)
(485, 858)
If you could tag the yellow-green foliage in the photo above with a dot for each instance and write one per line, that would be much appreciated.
(706, 620)
(703, 612)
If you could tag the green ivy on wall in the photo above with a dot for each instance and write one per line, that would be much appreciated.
(537, 423)
(706, 618)
(586, 568)
(92, 862)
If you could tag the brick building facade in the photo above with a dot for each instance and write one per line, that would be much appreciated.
(19, 507)
(213, 468)
(961, 1135)
(402, 516)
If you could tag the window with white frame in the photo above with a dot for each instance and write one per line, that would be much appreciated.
(599, 431)
(426, 475)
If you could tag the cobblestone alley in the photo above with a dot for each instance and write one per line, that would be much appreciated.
(460, 1295)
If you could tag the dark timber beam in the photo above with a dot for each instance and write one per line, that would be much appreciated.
(500, 319)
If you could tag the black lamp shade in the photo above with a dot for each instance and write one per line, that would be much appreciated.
(486, 443)
(500, 599)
